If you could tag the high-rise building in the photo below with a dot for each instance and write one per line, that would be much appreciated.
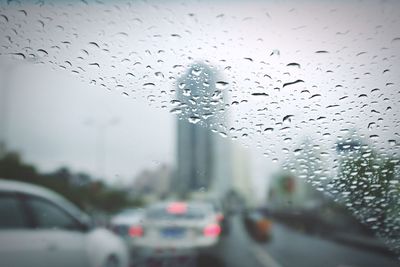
(241, 178)
(203, 160)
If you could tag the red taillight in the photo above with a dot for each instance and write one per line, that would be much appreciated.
(135, 231)
(212, 230)
(177, 208)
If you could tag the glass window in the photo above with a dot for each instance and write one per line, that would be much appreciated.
(11, 213)
(278, 115)
(48, 215)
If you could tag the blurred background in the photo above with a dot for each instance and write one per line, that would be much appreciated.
(299, 152)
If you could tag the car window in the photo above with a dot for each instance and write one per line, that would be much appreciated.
(49, 216)
(12, 215)
(285, 113)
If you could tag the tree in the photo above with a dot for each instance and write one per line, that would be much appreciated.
(86, 193)
(368, 184)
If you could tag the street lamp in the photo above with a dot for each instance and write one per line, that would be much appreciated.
(100, 152)
(8, 70)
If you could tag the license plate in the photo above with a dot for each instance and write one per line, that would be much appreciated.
(173, 232)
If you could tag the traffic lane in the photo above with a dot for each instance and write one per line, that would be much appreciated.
(188, 260)
(236, 249)
(233, 250)
(290, 248)
(172, 258)
(293, 248)
(286, 248)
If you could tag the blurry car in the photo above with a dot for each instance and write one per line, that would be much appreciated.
(127, 223)
(258, 225)
(40, 228)
(221, 217)
(179, 225)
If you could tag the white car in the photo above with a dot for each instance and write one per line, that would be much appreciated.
(40, 228)
(178, 225)
(127, 224)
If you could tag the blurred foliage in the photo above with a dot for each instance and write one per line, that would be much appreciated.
(79, 188)
(368, 183)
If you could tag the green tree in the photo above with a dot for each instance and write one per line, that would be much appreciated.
(368, 184)
(79, 188)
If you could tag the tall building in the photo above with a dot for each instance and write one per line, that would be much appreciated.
(154, 182)
(242, 180)
(203, 158)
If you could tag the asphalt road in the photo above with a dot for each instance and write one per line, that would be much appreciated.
(287, 248)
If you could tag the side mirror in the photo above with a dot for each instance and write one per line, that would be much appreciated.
(86, 223)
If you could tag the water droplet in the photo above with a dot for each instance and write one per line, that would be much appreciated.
(176, 111)
(221, 85)
(181, 85)
(94, 44)
(42, 53)
(287, 118)
(397, 39)
(291, 83)
(196, 71)
(223, 134)
(392, 142)
(372, 219)
(275, 52)
(18, 55)
(293, 64)
(94, 64)
(159, 74)
(315, 96)
(194, 119)
(259, 94)
(4, 17)
(148, 85)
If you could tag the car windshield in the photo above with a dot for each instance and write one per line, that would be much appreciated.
(274, 126)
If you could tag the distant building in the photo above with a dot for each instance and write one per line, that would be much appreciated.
(293, 188)
(155, 183)
(242, 179)
(289, 191)
(203, 158)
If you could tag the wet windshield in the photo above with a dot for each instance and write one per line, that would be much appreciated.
(279, 120)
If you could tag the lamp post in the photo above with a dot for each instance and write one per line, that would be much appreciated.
(8, 70)
(101, 128)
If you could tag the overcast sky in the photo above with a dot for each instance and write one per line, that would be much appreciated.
(48, 116)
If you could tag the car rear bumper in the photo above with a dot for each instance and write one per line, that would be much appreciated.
(173, 244)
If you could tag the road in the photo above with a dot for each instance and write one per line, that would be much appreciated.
(288, 248)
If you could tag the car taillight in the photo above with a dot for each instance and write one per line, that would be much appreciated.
(212, 230)
(177, 208)
(135, 231)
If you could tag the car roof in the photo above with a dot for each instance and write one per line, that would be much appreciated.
(38, 191)
(22, 187)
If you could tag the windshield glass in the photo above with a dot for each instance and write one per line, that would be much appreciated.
(279, 119)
